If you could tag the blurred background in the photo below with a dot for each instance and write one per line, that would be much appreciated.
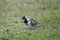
(47, 12)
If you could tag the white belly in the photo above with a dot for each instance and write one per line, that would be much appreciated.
(29, 24)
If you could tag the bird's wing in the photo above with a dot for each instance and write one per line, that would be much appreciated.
(34, 22)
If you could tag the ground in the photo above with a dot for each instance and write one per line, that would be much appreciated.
(47, 12)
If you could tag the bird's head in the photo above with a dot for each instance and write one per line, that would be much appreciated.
(26, 18)
(23, 18)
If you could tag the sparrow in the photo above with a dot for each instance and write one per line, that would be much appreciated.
(29, 22)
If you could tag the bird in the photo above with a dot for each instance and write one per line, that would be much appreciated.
(29, 22)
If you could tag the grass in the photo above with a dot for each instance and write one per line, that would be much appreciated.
(47, 12)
